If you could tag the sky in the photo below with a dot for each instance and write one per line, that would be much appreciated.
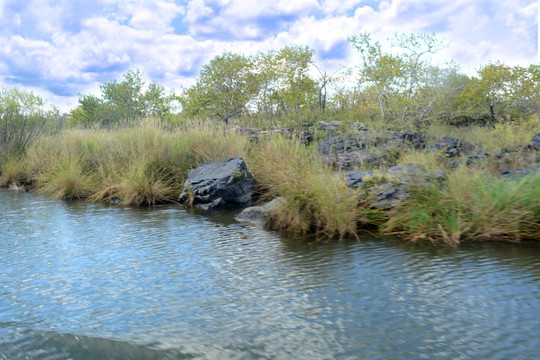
(61, 48)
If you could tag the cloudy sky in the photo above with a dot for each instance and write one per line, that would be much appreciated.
(59, 48)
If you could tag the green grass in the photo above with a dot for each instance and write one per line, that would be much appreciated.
(470, 206)
(317, 201)
(141, 165)
(13, 171)
(67, 179)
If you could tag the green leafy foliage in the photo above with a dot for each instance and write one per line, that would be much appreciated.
(503, 91)
(269, 84)
(123, 102)
(23, 117)
(223, 90)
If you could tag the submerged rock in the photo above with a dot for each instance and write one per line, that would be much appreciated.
(219, 183)
(257, 214)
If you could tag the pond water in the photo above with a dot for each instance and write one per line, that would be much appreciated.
(89, 281)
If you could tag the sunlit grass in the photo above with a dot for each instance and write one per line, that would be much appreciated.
(68, 179)
(470, 206)
(141, 165)
(13, 171)
(316, 200)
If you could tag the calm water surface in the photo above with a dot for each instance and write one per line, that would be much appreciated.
(87, 281)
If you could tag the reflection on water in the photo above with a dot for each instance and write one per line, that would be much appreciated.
(87, 281)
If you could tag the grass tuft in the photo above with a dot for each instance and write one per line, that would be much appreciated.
(13, 171)
(68, 179)
(471, 206)
(316, 199)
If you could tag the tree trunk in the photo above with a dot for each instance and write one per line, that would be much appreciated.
(492, 113)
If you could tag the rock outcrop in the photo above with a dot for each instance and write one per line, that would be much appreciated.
(388, 188)
(519, 173)
(535, 143)
(220, 183)
(367, 149)
(452, 147)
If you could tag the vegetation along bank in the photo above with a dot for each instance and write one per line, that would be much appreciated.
(395, 145)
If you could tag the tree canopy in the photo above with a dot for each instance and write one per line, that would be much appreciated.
(123, 102)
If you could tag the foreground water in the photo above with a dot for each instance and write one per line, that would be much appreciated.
(86, 281)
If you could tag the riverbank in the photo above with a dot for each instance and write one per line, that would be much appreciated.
(472, 190)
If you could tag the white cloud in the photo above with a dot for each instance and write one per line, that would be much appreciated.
(155, 15)
(197, 10)
(69, 46)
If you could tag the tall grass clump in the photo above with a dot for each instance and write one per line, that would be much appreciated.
(209, 141)
(315, 199)
(67, 179)
(139, 165)
(490, 138)
(14, 171)
(138, 183)
(470, 206)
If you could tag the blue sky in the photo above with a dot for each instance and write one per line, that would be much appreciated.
(60, 48)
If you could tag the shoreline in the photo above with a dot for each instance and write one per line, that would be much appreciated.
(428, 197)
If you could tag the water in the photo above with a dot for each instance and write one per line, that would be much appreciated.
(87, 281)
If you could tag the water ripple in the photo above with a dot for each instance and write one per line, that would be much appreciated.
(87, 281)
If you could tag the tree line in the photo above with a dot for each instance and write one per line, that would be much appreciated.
(401, 86)
(396, 82)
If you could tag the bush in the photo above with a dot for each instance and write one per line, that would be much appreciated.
(22, 119)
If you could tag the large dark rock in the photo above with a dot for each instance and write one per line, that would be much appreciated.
(357, 179)
(519, 173)
(305, 137)
(219, 183)
(478, 158)
(346, 143)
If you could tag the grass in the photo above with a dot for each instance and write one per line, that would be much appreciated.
(67, 179)
(471, 206)
(316, 200)
(141, 165)
(492, 138)
(13, 171)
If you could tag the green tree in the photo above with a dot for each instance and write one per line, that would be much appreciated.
(23, 117)
(125, 97)
(400, 80)
(294, 89)
(157, 103)
(124, 101)
(499, 89)
(380, 73)
(223, 89)
(89, 111)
